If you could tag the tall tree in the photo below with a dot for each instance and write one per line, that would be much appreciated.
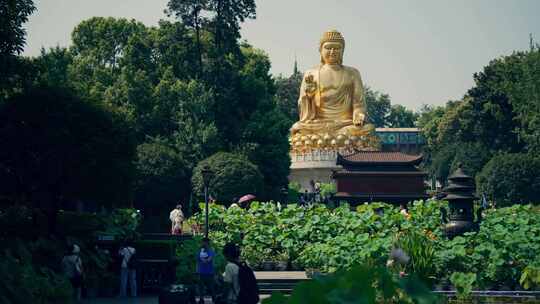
(228, 16)
(525, 99)
(57, 147)
(13, 14)
(378, 107)
(190, 12)
(287, 92)
(401, 117)
(52, 67)
(99, 44)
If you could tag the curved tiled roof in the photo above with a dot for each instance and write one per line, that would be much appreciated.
(380, 157)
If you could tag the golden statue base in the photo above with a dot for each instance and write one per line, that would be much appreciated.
(307, 137)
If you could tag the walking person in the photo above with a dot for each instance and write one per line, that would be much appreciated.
(73, 269)
(177, 218)
(240, 281)
(205, 269)
(128, 270)
(231, 274)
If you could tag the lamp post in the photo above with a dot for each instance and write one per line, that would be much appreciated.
(206, 176)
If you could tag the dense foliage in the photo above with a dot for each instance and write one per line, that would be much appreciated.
(223, 101)
(30, 260)
(233, 176)
(511, 178)
(13, 14)
(494, 121)
(320, 238)
(57, 148)
(360, 284)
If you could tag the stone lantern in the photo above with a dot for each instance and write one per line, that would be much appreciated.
(460, 196)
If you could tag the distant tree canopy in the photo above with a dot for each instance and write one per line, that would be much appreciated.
(495, 125)
(224, 102)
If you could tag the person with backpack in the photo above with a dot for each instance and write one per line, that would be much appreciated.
(240, 282)
(128, 270)
(73, 269)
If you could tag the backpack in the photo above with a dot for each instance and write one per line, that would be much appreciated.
(249, 290)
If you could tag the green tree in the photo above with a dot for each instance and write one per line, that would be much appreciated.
(52, 67)
(378, 107)
(174, 49)
(57, 147)
(525, 99)
(191, 13)
(511, 178)
(13, 14)
(163, 176)
(14, 70)
(472, 156)
(228, 14)
(233, 176)
(287, 92)
(401, 117)
(488, 116)
(99, 45)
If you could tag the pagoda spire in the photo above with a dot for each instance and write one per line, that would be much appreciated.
(295, 71)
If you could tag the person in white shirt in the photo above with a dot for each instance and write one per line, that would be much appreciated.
(127, 252)
(177, 218)
(230, 276)
(73, 269)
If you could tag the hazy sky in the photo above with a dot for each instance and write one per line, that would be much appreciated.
(417, 51)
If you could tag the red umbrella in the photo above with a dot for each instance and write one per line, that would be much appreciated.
(246, 198)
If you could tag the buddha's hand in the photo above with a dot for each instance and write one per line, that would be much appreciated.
(310, 85)
(358, 119)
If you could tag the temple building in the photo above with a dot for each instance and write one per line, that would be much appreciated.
(379, 176)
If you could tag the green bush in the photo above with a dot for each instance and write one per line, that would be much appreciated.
(233, 176)
(26, 282)
(511, 178)
(123, 224)
(22, 221)
(79, 224)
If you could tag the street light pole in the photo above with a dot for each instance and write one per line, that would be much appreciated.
(206, 176)
(206, 211)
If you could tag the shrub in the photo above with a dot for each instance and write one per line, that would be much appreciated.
(233, 176)
(24, 282)
(511, 178)
(162, 179)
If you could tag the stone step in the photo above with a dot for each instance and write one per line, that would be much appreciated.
(282, 281)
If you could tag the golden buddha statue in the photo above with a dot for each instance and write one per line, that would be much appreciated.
(331, 104)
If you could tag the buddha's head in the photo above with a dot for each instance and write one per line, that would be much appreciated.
(331, 47)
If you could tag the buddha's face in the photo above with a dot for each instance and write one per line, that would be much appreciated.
(332, 53)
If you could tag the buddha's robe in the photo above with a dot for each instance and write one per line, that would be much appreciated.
(338, 96)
